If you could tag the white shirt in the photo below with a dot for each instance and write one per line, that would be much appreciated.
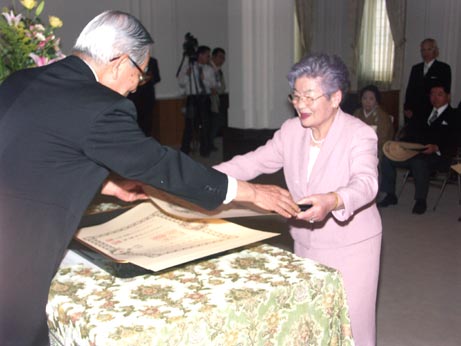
(191, 86)
(313, 154)
(439, 111)
(427, 66)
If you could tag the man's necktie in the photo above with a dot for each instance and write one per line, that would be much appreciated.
(221, 81)
(426, 68)
(433, 117)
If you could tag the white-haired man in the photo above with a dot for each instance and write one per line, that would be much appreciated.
(63, 129)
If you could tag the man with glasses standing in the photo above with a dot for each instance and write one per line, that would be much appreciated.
(64, 128)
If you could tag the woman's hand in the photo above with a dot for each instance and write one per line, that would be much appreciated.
(322, 205)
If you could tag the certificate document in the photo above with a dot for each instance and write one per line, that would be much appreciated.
(150, 238)
(178, 207)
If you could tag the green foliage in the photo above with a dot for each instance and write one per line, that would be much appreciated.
(25, 42)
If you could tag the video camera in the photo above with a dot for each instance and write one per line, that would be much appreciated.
(190, 47)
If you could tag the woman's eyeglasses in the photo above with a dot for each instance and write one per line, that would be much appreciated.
(293, 98)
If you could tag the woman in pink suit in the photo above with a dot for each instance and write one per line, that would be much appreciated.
(329, 160)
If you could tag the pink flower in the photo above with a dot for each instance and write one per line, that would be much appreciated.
(39, 60)
(28, 42)
(12, 19)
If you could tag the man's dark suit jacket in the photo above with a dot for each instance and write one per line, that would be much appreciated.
(442, 132)
(419, 86)
(61, 133)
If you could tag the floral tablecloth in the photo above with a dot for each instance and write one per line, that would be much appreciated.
(261, 295)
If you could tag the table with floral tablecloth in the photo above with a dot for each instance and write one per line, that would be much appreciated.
(259, 295)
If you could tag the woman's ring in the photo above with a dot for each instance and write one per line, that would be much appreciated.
(311, 221)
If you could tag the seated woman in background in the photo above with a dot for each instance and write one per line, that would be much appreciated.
(372, 114)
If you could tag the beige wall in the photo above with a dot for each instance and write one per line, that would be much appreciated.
(220, 22)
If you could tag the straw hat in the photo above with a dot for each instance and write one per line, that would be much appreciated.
(402, 151)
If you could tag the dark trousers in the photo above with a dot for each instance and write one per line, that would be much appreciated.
(421, 166)
(197, 123)
(218, 121)
(33, 239)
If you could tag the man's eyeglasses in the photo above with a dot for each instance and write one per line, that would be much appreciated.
(307, 99)
(143, 76)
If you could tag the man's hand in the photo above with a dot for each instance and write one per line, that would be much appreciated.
(126, 190)
(431, 148)
(268, 197)
(408, 113)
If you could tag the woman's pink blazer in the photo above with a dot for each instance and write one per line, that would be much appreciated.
(347, 164)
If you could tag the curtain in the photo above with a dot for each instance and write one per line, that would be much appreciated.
(396, 11)
(355, 23)
(305, 16)
(376, 46)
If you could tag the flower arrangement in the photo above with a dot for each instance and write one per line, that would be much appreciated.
(25, 41)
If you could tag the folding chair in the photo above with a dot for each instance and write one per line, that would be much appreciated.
(439, 177)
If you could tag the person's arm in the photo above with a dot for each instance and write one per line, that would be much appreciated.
(448, 76)
(266, 159)
(385, 129)
(361, 188)
(445, 138)
(408, 105)
(124, 189)
(267, 197)
(116, 142)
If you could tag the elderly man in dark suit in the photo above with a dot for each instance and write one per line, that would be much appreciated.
(437, 131)
(422, 76)
(63, 128)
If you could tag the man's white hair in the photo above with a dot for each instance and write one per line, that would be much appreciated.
(111, 34)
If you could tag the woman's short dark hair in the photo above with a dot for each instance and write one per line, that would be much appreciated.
(374, 89)
(330, 69)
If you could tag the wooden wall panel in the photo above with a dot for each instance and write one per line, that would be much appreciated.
(168, 121)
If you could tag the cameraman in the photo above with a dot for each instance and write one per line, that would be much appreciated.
(198, 82)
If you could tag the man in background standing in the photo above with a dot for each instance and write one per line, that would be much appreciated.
(144, 97)
(220, 99)
(422, 77)
(197, 80)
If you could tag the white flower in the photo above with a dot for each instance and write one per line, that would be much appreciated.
(11, 19)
